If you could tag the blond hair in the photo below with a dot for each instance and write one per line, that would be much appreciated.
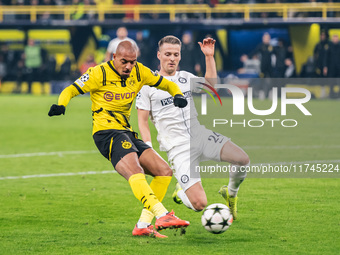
(169, 39)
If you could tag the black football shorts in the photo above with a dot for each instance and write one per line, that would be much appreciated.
(115, 144)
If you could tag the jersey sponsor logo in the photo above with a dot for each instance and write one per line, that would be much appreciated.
(167, 101)
(109, 96)
(126, 144)
(85, 77)
(184, 178)
(170, 100)
(182, 80)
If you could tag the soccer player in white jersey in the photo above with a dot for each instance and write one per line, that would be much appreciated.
(173, 126)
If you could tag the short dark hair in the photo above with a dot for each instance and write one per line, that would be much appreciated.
(169, 39)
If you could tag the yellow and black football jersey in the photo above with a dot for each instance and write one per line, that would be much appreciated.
(112, 96)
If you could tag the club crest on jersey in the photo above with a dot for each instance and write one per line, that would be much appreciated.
(126, 145)
(132, 82)
(85, 77)
(184, 178)
(182, 80)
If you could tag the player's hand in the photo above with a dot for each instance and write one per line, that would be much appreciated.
(208, 46)
(56, 110)
(180, 101)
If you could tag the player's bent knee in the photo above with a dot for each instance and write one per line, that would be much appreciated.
(244, 160)
(199, 204)
(164, 170)
(167, 171)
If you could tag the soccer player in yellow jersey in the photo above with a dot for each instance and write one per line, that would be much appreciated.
(113, 86)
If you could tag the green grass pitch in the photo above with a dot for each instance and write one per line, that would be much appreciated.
(95, 213)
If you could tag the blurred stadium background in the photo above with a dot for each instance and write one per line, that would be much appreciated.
(73, 35)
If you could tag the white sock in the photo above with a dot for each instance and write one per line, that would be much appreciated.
(162, 215)
(141, 224)
(236, 177)
(181, 194)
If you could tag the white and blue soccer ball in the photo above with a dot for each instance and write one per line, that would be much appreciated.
(217, 218)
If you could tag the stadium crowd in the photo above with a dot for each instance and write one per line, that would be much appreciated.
(270, 59)
(78, 12)
(35, 63)
(209, 2)
(32, 64)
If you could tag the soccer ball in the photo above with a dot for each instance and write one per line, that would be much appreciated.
(217, 218)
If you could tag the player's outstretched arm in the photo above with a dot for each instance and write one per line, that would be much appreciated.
(179, 99)
(208, 49)
(66, 95)
(162, 83)
(56, 110)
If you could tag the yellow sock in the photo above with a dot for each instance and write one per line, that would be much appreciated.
(159, 185)
(142, 190)
(146, 216)
(158, 210)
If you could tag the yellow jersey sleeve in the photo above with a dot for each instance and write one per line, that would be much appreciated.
(155, 80)
(85, 83)
(90, 80)
(67, 94)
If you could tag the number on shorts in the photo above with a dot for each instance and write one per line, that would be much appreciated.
(217, 138)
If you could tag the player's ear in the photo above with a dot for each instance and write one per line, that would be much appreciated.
(113, 56)
(159, 55)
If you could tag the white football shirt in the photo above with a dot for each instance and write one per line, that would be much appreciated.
(172, 123)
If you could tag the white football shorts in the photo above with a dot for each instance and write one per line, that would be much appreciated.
(183, 159)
